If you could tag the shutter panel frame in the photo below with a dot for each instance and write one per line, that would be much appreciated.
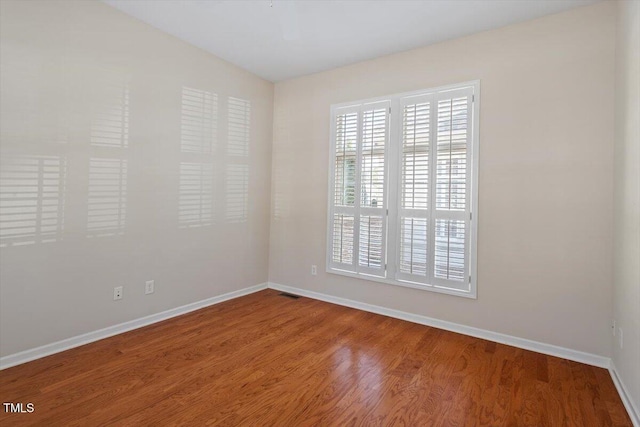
(413, 214)
(381, 110)
(449, 216)
(341, 211)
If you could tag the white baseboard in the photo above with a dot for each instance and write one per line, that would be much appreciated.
(66, 344)
(552, 350)
(629, 404)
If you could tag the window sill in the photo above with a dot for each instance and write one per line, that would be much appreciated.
(471, 294)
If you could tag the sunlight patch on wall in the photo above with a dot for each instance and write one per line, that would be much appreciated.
(195, 205)
(237, 169)
(32, 200)
(107, 197)
(237, 193)
(239, 119)
(110, 120)
(199, 121)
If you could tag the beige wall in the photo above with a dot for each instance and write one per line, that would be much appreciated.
(66, 67)
(627, 199)
(546, 176)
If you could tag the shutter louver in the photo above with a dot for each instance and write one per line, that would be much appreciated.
(450, 250)
(342, 251)
(451, 175)
(371, 228)
(345, 168)
(374, 138)
(413, 246)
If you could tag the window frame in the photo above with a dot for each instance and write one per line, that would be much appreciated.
(392, 189)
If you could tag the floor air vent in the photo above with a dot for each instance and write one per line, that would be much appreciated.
(284, 294)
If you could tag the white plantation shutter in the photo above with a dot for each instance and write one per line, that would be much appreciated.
(372, 155)
(451, 198)
(358, 206)
(415, 156)
(343, 214)
(425, 153)
(435, 176)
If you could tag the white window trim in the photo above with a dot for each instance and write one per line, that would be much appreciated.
(392, 197)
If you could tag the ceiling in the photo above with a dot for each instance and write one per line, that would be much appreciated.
(280, 40)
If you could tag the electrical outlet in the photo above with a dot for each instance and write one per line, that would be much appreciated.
(613, 327)
(117, 293)
(314, 270)
(620, 338)
(149, 286)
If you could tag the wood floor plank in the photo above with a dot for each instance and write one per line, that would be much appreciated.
(265, 359)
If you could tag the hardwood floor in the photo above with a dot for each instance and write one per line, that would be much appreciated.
(269, 360)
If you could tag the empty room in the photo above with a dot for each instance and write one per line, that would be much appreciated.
(320, 212)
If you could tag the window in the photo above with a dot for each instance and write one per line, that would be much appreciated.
(403, 189)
